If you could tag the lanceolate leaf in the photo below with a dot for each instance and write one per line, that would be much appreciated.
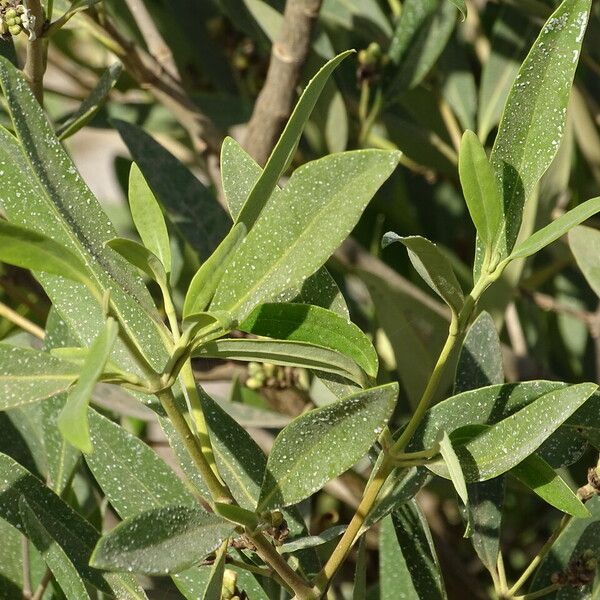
(67, 528)
(301, 227)
(286, 146)
(323, 443)
(480, 188)
(204, 283)
(189, 206)
(90, 106)
(407, 559)
(148, 217)
(305, 323)
(535, 112)
(292, 353)
(161, 541)
(54, 556)
(454, 468)
(73, 421)
(29, 249)
(556, 229)
(139, 256)
(506, 444)
(27, 376)
(240, 173)
(540, 477)
(432, 266)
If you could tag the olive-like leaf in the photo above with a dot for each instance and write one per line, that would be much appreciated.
(315, 325)
(301, 227)
(432, 266)
(54, 556)
(534, 117)
(555, 230)
(585, 245)
(141, 257)
(323, 443)
(148, 218)
(286, 146)
(161, 541)
(73, 419)
(27, 376)
(454, 468)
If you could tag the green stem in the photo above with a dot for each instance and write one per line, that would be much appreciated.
(217, 490)
(540, 555)
(35, 61)
(540, 593)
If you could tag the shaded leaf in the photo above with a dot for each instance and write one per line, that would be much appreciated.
(73, 419)
(585, 245)
(315, 325)
(323, 443)
(161, 541)
(311, 541)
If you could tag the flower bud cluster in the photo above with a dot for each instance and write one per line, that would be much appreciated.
(15, 18)
(579, 572)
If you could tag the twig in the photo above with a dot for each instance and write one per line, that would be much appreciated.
(288, 55)
(451, 123)
(540, 593)
(25, 324)
(26, 563)
(35, 61)
(41, 588)
(154, 40)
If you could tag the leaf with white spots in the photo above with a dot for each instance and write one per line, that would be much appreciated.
(66, 527)
(285, 353)
(534, 117)
(432, 266)
(407, 558)
(240, 173)
(161, 541)
(27, 376)
(315, 325)
(139, 256)
(284, 149)
(505, 444)
(323, 443)
(148, 218)
(454, 468)
(73, 419)
(54, 556)
(299, 229)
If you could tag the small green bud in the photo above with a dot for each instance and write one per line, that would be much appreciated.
(591, 564)
(15, 29)
(11, 13)
(589, 553)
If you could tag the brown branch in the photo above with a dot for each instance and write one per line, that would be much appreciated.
(288, 55)
(35, 61)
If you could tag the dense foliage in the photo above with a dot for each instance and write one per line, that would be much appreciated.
(260, 377)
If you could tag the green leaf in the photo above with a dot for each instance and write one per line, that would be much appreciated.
(315, 325)
(161, 541)
(505, 444)
(423, 31)
(480, 188)
(360, 575)
(192, 210)
(578, 536)
(540, 477)
(70, 531)
(585, 245)
(510, 36)
(139, 256)
(204, 283)
(285, 148)
(27, 376)
(92, 104)
(323, 443)
(454, 468)
(311, 541)
(301, 227)
(407, 558)
(534, 117)
(288, 354)
(240, 173)
(54, 556)
(215, 581)
(132, 476)
(555, 230)
(432, 266)
(73, 420)
(148, 218)
(29, 249)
